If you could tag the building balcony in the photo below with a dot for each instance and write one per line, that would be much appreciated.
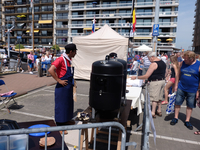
(61, 26)
(61, 17)
(77, 34)
(7, 3)
(62, 8)
(46, 1)
(101, 6)
(116, 25)
(22, 3)
(21, 11)
(152, 14)
(61, 34)
(98, 16)
(9, 12)
(152, 4)
(167, 34)
(160, 45)
(62, 1)
(47, 9)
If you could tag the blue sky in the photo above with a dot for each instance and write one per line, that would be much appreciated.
(186, 12)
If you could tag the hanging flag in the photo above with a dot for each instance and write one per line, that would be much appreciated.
(134, 17)
(31, 3)
(93, 25)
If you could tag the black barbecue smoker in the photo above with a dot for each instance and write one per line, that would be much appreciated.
(107, 85)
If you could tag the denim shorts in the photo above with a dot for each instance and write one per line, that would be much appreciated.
(190, 98)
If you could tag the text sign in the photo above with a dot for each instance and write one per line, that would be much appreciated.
(19, 37)
(155, 30)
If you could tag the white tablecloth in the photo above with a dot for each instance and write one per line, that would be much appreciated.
(135, 94)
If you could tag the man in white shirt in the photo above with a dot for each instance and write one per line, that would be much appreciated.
(134, 66)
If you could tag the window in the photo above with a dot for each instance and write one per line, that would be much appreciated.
(22, 10)
(62, 32)
(36, 9)
(143, 21)
(77, 5)
(47, 16)
(176, 9)
(77, 22)
(165, 21)
(47, 8)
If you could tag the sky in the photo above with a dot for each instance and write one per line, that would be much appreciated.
(186, 12)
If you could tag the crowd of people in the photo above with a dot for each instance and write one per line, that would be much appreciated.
(179, 73)
(33, 58)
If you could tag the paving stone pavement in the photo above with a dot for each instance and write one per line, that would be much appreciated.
(39, 105)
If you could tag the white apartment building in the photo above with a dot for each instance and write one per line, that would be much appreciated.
(58, 21)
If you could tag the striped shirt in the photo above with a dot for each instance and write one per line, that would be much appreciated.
(147, 63)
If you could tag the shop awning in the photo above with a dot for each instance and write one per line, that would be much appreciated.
(45, 21)
(90, 28)
(24, 50)
(142, 37)
(35, 31)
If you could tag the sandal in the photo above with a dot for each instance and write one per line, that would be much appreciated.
(164, 103)
(197, 133)
(159, 114)
(153, 116)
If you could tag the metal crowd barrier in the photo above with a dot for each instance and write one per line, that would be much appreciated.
(71, 127)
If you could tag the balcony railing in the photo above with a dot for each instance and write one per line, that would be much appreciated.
(61, 34)
(36, 2)
(61, 17)
(22, 3)
(21, 11)
(161, 34)
(9, 3)
(62, 43)
(151, 44)
(9, 12)
(46, 26)
(61, 26)
(46, 18)
(168, 13)
(46, 1)
(62, 8)
(100, 25)
(78, 34)
(59, 1)
(119, 15)
(47, 9)
(102, 6)
(45, 42)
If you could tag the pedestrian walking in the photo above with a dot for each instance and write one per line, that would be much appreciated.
(174, 76)
(31, 62)
(62, 71)
(187, 87)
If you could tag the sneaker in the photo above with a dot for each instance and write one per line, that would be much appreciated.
(22, 71)
(189, 125)
(31, 72)
(174, 121)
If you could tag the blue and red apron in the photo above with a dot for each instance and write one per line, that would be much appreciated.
(64, 104)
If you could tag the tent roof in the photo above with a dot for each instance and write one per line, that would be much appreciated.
(105, 35)
(143, 48)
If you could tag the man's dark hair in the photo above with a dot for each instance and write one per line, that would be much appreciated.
(70, 47)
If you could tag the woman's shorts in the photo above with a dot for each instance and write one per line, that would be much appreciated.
(156, 90)
(182, 95)
(172, 80)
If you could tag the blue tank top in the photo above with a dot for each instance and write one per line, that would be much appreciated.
(189, 78)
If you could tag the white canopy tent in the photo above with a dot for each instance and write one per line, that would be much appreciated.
(95, 47)
(143, 48)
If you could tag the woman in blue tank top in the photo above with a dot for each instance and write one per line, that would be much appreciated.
(187, 87)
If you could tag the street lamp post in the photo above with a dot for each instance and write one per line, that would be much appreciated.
(121, 26)
(55, 43)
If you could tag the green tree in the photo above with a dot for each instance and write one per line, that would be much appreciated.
(55, 47)
(17, 46)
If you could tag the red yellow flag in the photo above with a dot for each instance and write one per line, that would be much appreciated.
(134, 17)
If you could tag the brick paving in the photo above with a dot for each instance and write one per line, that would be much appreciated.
(22, 83)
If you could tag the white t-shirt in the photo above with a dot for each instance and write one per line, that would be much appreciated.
(164, 59)
(47, 59)
(135, 63)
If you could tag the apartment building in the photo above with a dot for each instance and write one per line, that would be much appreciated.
(58, 21)
(196, 35)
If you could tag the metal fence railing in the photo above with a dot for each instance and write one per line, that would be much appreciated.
(8, 133)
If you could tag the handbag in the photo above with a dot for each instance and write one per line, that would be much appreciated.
(29, 61)
(170, 106)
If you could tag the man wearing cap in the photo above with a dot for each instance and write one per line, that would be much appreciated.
(62, 71)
